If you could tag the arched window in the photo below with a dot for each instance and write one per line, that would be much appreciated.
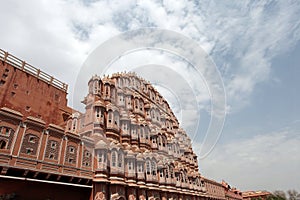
(151, 95)
(171, 171)
(100, 157)
(152, 112)
(69, 124)
(95, 87)
(147, 133)
(120, 82)
(120, 159)
(170, 147)
(116, 118)
(141, 105)
(74, 126)
(157, 115)
(161, 172)
(136, 102)
(142, 131)
(131, 165)
(129, 100)
(113, 159)
(2, 144)
(153, 167)
(120, 99)
(177, 176)
(97, 112)
(112, 91)
(110, 116)
(124, 126)
(148, 166)
(140, 167)
(182, 177)
(164, 141)
(133, 130)
(159, 140)
(106, 89)
(167, 172)
(153, 140)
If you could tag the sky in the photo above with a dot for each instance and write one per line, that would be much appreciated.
(253, 45)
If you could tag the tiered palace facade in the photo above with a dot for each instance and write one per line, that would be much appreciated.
(126, 145)
(139, 147)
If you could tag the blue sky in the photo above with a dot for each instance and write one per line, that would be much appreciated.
(254, 44)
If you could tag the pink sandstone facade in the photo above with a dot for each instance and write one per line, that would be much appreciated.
(126, 145)
(249, 195)
(231, 193)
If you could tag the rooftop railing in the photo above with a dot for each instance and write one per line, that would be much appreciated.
(22, 65)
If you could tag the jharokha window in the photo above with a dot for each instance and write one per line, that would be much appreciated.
(110, 114)
(153, 167)
(130, 165)
(100, 157)
(140, 167)
(52, 150)
(71, 154)
(6, 137)
(30, 144)
(87, 158)
(113, 158)
(148, 170)
(120, 159)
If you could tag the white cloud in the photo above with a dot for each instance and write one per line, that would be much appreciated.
(266, 161)
(242, 37)
(58, 35)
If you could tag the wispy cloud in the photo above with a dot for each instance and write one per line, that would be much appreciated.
(267, 159)
(242, 37)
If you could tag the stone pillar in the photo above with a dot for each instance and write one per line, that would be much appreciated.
(16, 146)
(44, 141)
